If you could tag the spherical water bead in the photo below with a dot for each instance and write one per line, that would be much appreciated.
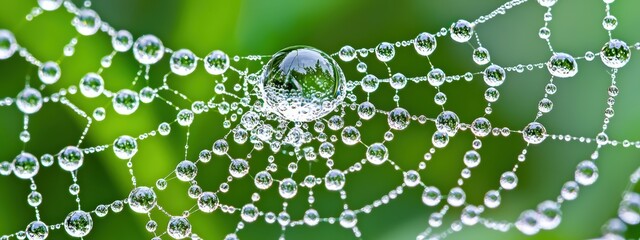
(366, 110)
(348, 219)
(470, 215)
(179, 228)
(5, 168)
(425, 44)
(288, 188)
(216, 63)
(491, 95)
(74, 189)
(562, 65)
(208, 202)
(398, 81)
(385, 51)
(492, 199)
(615, 54)
(37, 230)
(70, 158)
(326, 150)
(350, 135)
(99, 114)
(471, 159)
(481, 127)
(49, 5)
(544, 33)
(527, 223)
(311, 217)
(263, 180)
(25, 165)
(78, 223)
(142, 199)
(29, 100)
(609, 22)
(586, 173)
(47, 160)
(183, 62)
(220, 147)
(369, 83)
(440, 139)
(147, 94)
(461, 31)
(151, 226)
(347, 53)
(629, 210)
(534, 133)
(545, 105)
(456, 197)
(570, 190)
(361, 67)
(91, 85)
(481, 56)
(411, 178)
(302, 84)
(238, 168)
(334, 180)
(148, 49)
(547, 3)
(249, 213)
(87, 22)
(125, 147)
(102, 210)
(440, 98)
(436, 77)
(377, 153)
(431, 196)
(122, 41)
(164, 129)
(448, 122)
(508, 180)
(398, 119)
(126, 102)
(186, 171)
(494, 75)
(49, 73)
(8, 44)
(250, 120)
(549, 215)
(185, 117)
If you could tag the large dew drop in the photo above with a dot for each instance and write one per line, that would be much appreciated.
(70, 158)
(562, 65)
(179, 228)
(8, 45)
(142, 199)
(534, 133)
(29, 100)
(37, 230)
(25, 166)
(302, 84)
(615, 54)
(78, 223)
(148, 49)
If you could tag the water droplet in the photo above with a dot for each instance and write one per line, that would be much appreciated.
(49, 73)
(398, 119)
(456, 197)
(366, 110)
(534, 133)
(527, 223)
(440, 139)
(348, 219)
(126, 102)
(629, 210)
(78, 223)
(481, 56)
(508, 180)
(288, 188)
(148, 49)
(481, 127)
(208, 202)
(183, 62)
(347, 53)
(377, 153)
(125, 147)
(431, 196)
(186, 171)
(494, 75)
(238, 168)
(547, 3)
(87, 22)
(471, 159)
(302, 84)
(49, 5)
(615, 54)
(29, 100)
(37, 230)
(492, 199)
(70, 158)
(122, 41)
(436, 77)
(549, 215)
(385, 51)
(461, 31)
(263, 180)
(216, 63)
(398, 81)
(34, 199)
(164, 129)
(220, 147)
(91, 85)
(369, 83)
(249, 213)
(586, 173)
(350, 135)
(411, 178)
(448, 122)
(185, 117)
(311, 217)
(142, 199)
(562, 65)
(425, 44)
(334, 180)
(570, 190)
(179, 228)
(25, 165)
(8, 44)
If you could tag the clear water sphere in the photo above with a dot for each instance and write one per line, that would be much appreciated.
(461, 31)
(586, 173)
(508, 180)
(481, 127)
(249, 213)
(385, 51)
(549, 215)
(398, 81)
(87, 22)
(440, 139)
(148, 49)
(78, 223)
(615, 54)
(37, 230)
(8, 44)
(29, 100)
(142, 199)
(547, 3)
(49, 72)
(494, 75)
(263, 180)
(348, 219)
(436, 77)
(49, 5)
(311, 217)
(481, 56)
(448, 122)
(238, 168)
(377, 153)
(125, 147)
(91, 85)
(369, 83)
(288, 188)
(216, 63)
(629, 210)
(70, 158)
(302, 84)
(122, 41)
(425, 44)
(562, 65)
(126, 102)
(179, 228)
(183, 62)
(347, 53)
(527, 223)
(398, 119)
(25, 165)
(431, 196)
(334, 180)
(186, 171)
(208, 202)
(534, 133)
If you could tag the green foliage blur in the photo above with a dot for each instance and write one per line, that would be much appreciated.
(263, 27)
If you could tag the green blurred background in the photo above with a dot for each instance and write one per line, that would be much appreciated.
(264, 27)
